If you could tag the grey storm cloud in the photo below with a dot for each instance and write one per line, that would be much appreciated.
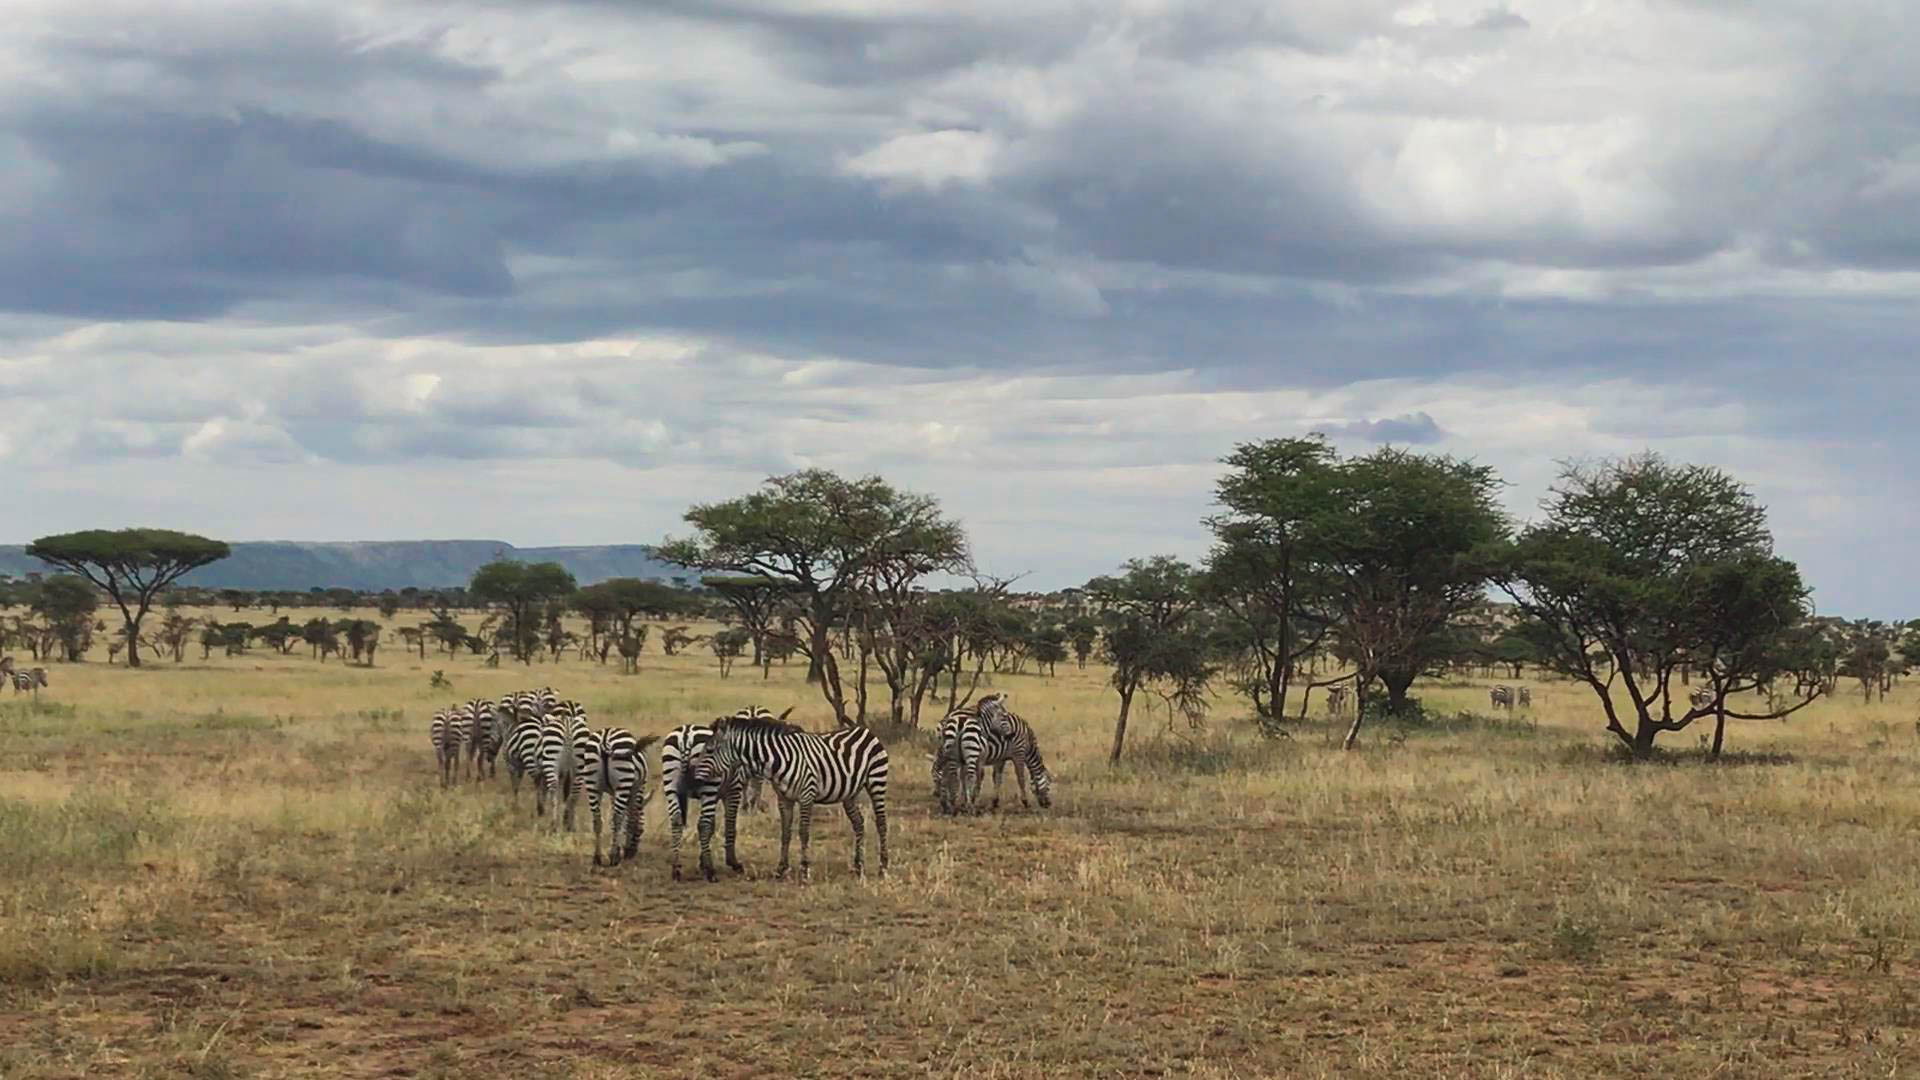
(1042, 239)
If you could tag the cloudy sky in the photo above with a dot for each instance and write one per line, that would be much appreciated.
(549, 272)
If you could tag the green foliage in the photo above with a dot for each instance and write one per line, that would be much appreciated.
(1154, 635)
(520, 589)
(1402, 543)
(824, 538)
(1646, 568)
(131, 565)
(67, 603)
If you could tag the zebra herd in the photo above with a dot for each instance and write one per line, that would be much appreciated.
(721, 765)
(31, 679)
(1506, 697)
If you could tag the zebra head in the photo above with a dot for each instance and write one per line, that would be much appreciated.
(993, 712)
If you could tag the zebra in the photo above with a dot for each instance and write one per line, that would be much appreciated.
(678, 785)
(1523, 697)
(31, 679)
(446, 731)
(1501, 697)
(1701, 697)
(804, 768)
(1338, 698)
(562, 733)
(614, 763)
(482, 745)
(946, 760)
(523, 757)
(1002, 737)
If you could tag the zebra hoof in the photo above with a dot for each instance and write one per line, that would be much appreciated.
(597, 860)
(711, 876)
(676, 873)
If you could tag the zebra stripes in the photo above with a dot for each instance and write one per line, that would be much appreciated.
(614, 763)
(679, 786)
(562, 734)
(448, 732)
(1002, 738)
(1701, 697)
(481, 746)
(804, 768)
(31, 679)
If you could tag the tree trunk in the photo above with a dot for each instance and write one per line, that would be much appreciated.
(1397, 683)
(1643, 740)
(1362, 682)
(1120, 725)
(133, 637)
(1719, 731)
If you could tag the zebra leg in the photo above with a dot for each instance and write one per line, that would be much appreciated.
(1020, 781)
(636, 825)
(707, 807)
(732, 801)
(676, 825)
(806, 839)
(859, 836)
(879, 799)
(786, 834)
(593, 807)
(999, 779)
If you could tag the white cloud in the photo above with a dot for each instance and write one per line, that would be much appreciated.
(930, 159)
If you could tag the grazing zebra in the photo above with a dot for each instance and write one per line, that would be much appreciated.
(946, 760)
(678, 785)
(31, 679)
(1501, 697)
(1701, 697)
(1338, 698)
(804, 768)
(563, 734)
(446, 732)
(615, 763)
(1003, 737)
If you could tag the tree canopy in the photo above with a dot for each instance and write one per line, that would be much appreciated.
(520, 589)
(1403, 540)
(824, 537)
(1152, 635)
(131, 566)
(1646, 569)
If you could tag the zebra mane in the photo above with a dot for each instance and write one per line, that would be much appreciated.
(755, 724)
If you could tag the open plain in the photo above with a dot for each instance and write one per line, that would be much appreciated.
(246, 866)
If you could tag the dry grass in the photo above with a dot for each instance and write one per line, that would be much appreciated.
(246, 868)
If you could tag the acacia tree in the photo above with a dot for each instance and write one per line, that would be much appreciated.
(1641, 568)
(823, 536)
(520, 590)
(67, 603)
(131, 566)
(619, 602)
(1402, 539)
(1264, 570)
(1153, 635)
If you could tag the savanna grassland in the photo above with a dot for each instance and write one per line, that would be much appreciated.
(246, 867)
